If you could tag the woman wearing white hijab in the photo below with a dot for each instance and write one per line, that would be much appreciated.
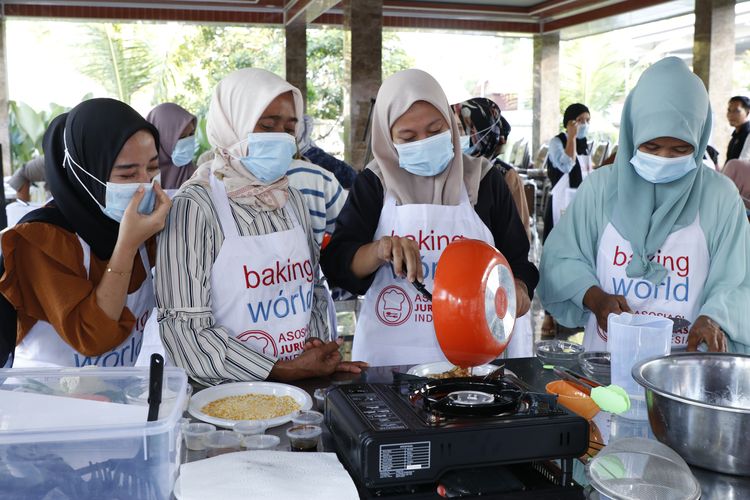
(419, 185)
(237, 263)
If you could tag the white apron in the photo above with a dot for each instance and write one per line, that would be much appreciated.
(562, 194)
(521, 344)
(395, 326)
(262, 286)
(43, 347)
(684, 254)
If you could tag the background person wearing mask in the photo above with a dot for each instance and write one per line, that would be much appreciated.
(568, 162)
(79, 277)
(655, 233)
(237, 265)
(484, 132)
(738, 115)
(177, 133)
(418, 181)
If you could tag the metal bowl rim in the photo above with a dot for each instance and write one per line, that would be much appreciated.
(637, 370)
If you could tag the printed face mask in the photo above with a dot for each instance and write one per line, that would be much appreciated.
(660, 170)
(269, 155)
(428, 157)
(467, 147)
(183, 151)
(117, 196)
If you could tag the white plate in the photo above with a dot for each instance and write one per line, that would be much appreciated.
(202, 398)
(429, 369)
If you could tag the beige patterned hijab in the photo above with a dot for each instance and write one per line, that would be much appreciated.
(395, 97)
(236, 106)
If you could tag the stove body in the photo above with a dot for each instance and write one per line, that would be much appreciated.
(414, 432)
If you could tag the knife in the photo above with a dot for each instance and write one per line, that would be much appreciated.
(422, 289)
(156, 376)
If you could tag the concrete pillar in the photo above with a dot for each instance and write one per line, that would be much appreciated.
(546, 122)
(4, 118)
(363, 54)
(296, 56)
(713, 59)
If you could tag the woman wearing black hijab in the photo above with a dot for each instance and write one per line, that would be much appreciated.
(77, 271)
(568, 162)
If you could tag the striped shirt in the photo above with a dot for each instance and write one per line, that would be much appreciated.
(188, 247)
(323, 194)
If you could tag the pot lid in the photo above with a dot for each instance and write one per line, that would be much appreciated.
(642, 469)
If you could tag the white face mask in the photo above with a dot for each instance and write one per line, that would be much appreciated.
(117, 196)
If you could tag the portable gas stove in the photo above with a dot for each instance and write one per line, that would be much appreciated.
(416, 431)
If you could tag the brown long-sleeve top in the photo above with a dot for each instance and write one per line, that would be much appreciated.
(45, 280)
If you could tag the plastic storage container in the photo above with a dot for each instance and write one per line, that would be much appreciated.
(72, 433)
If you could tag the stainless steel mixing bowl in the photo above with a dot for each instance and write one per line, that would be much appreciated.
(699, 405)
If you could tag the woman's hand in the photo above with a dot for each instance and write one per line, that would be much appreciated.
(706, 330)
(603, 304)
(135, 228)
(523, 303)
(571, 129)
(402, 253)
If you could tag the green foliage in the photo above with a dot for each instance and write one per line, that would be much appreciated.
(594, 77)
(395, 57)
(27, 127)
(124, 60)
(207, 56)
(121, 62)
(325, 72)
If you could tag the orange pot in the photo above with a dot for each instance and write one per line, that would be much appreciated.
(473, 302)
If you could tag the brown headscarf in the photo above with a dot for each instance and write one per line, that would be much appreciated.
(170, 120)
(236, 105)
(739, 172)
(395, 97)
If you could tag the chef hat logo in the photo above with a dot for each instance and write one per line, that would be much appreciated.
(393, 300)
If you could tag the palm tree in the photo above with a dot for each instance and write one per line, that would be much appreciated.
(121, 64)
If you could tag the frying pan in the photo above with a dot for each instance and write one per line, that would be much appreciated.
(473, 302)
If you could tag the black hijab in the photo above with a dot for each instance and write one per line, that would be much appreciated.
(571, 113)
(95, 131)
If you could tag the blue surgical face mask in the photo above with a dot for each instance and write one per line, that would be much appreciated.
(117, 196)
(269, 155)
(660, 170)
(583, 129)
(183, 151)
(427, 157)
(465, 141)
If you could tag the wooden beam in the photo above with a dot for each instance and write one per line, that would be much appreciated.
(601, 13)
(145, 14)
(452, 7)
(307, 11)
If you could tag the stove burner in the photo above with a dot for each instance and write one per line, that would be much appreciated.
(471, 398)
(462, 397)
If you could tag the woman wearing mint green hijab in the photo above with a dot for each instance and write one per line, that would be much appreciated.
(656, 233)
